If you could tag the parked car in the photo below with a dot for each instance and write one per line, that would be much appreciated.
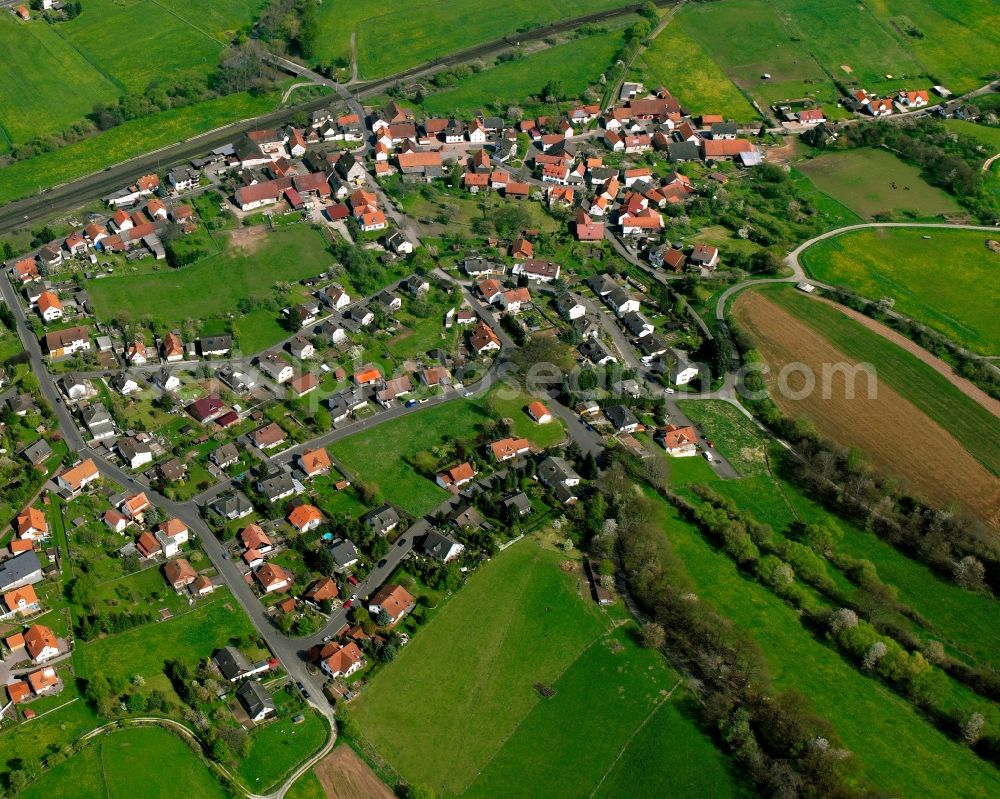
(401, 542)
(348, 603)
(353, 580)
(708, 455)
(381, 563)
(410, 403)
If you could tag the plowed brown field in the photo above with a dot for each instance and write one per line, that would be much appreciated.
(344, 775)
(894, 435)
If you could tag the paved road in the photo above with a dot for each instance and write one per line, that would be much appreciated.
(793, 259)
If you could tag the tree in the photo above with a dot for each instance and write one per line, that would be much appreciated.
(972, 728)
(970, 573)
(653, 635)
(383, 619)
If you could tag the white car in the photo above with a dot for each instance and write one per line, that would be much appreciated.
(469, 393)
(669, 391)
(707, 455)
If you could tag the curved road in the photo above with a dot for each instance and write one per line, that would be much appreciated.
(793, 259)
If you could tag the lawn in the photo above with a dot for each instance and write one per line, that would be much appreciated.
(48, 86)
(24, 178)
(871, 182)
(110, 767)
(485, 730)
(396, 480)
(211, 289)
(574, 65)
(680, 63)
(734, 435)
(280, 745)
(974, 426)
(931, 275)
(906, 756)
(503, 402)
(433, 29)
(144, 650)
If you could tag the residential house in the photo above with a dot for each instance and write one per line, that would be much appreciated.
(555, 472)
(678, 441)
(207, 409)
(585, 228)
(256, 701)
(20, 602)
(67, 342)
(336, 297)
(31, 525)
(273, 577)
(344, 554)
(276, 367)
(49, 306)
(314, 462)
(98, 422)
(537, 269)
(232, 506)
(75, 387)
(253, 537)
(483, 339)
(383, 520)
(678, 368)
(215, 345)
(225, 456)
(508, 448)
(179, 573)
(40, 643)
(302, 348)
(75, 479)
(276, 486)
(637, 324)
(233, 666)
(268, 437)
(622, 419)
(135, 453)
(341, 661)
(704, 256)
(569, 308)
(305, 517)
(323, 590)
(22, 569)
(124, 384)
(394, 600)
(440, 547)
(135, 506)
(596, 352)
(539, 413)
(172, 535)
(457, 476)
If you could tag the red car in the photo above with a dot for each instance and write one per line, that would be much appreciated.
(353, 580)
(348, 603)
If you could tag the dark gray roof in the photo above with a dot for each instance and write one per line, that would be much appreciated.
(255, 698)
(683, 151)
(37, 452)
(18, 568)
(276, 486)
(519, 502)
(555, 470)
(231, 662)
(381, 519)
(437, 545)
(343, 552)
(231, 505)
(620, 416)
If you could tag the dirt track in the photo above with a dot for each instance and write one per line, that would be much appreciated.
(967, 387)
(894, 435)
(344, 775)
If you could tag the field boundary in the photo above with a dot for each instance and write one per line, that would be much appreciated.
(628, 741)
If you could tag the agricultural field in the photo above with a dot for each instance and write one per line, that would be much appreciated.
(931, 274)
(932, 449)
(112, 48)
(962, 619)
(907, 756)
(680, 63)
(433, 30)
(58, 89)
(800, 44)
(575, 65)
(252, 261)
(138, 41)
(24, 178)
(500, 735)
(871, 182)
(110, 767)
